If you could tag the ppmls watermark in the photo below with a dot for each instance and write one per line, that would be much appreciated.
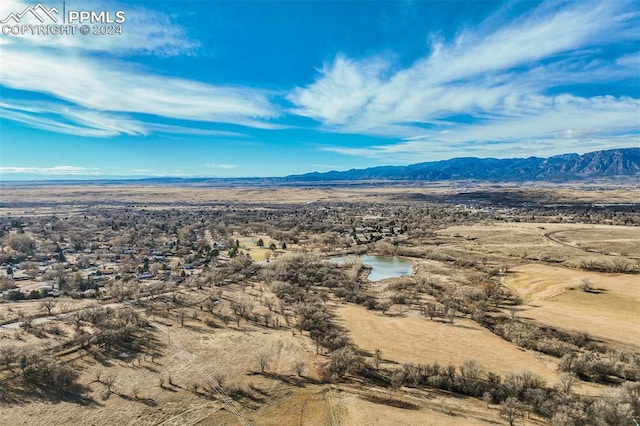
(40, 20)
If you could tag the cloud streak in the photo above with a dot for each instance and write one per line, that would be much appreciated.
(104, 96)
(116, 87)
(48, 171)
(487, 85)
(221, 165)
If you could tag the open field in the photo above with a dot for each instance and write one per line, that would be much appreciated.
(553, 296)
(555, 241)
(438, 410)
(249, 245)
(620, 241)
(404, 339)
(358, 406)
(76, 195)
(193, 355)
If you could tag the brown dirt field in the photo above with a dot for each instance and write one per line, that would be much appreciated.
(612, 314)
(419, 340)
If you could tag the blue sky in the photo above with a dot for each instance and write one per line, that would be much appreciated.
(271, 88)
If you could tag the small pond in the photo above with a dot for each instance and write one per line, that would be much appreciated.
(381, 266)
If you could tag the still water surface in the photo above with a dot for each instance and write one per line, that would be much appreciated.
(381, 266)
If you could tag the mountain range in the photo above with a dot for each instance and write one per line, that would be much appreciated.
(614, 164)
(624, 162)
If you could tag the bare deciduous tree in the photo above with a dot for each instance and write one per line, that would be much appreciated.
(565, 383)
(511, 409)
(268, 303)
(451, 316)
(377, 357)
(225, 319)
(263, 361)
(109, 381)
(220, 377)
(586, 285)
(430, 310)
(135, 391)
(48, 305)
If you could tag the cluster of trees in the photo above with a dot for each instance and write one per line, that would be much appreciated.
(300, 283)
(580, 355)
(620, 265)
(601, 365)
(525, 392)
(113, 331)
(36, 369)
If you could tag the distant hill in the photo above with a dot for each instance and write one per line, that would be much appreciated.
(610, 164)
(599, 164)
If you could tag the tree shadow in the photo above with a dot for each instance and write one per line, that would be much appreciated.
(392, 402)
(292, 381)
(238, 393)
(194, 329)
(149, 402)
(168, 388)
(17, 393)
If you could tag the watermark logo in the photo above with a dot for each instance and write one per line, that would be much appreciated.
(41, 20)
(38, 11)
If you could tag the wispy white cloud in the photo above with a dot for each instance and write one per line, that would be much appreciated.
(183, 130)
(632, 60)
(103, 95)
(55, 170)
(325, 166)
(486, 86)
(76, 120)
(112, 86)
(70, 119)
(221, 165)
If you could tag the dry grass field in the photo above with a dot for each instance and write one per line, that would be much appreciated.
(193, 356)
(361, 406)
(404, 339)
(249, 246)
(13, 311)
(75, 196)
(554, 241)
(621, 241)
(553, 296)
